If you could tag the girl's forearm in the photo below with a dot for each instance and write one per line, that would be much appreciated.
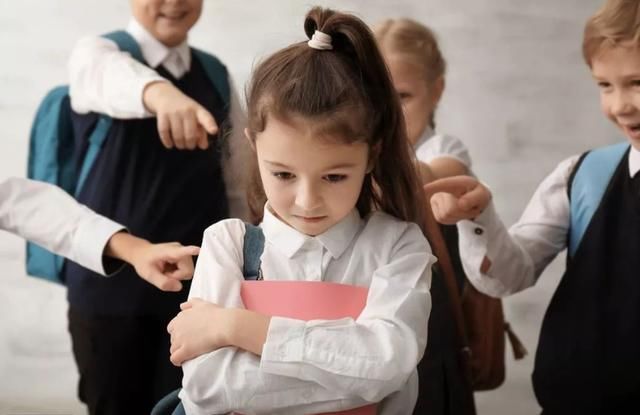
(249, 330)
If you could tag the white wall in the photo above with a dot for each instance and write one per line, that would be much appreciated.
(517, 93)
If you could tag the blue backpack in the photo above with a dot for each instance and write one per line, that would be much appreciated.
(251, 270)
(588, 184)
(51, 145)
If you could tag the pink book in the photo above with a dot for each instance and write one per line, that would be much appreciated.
(307, 300)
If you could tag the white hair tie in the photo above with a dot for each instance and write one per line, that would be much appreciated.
(320, 41)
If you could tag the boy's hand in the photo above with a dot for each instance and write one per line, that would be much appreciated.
(199, 328)
(456, 198)
(164, 265)
(182, 122)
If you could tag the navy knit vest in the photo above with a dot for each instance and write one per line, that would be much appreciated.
(588, 358)
(159, 194)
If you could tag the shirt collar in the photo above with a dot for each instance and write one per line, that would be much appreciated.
(426, 134)
(154, 51)
(634, 161)
(289, 241)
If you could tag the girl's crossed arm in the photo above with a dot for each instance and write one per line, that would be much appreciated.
(308, 367)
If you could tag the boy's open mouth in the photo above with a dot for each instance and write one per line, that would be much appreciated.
(634, 127)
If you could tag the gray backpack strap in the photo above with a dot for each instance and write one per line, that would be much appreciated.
(252, 251)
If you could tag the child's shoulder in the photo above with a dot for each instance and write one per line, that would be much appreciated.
(229, 229)
(385, 227)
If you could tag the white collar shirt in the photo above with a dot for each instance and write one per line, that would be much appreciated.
(321, 365)
(177, 60)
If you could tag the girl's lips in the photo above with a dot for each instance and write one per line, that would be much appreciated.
(311, 218)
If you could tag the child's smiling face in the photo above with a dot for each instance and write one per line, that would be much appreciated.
(311, 182)
(169, 21)
(617, 72)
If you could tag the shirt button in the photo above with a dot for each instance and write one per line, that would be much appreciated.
(478, 231)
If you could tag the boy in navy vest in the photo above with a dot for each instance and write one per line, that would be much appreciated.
(588, 358)
(170, 167)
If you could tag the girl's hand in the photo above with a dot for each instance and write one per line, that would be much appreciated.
(200, 327)
(457, 198)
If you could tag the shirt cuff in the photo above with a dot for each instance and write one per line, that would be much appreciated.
(284, 345)
(90, 241)
(475, 236)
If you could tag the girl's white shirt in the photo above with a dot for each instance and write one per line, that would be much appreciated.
(322, 365)
(431, 146)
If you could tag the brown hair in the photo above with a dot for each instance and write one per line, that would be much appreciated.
(616, 22)
(346, 92)
(415, 42)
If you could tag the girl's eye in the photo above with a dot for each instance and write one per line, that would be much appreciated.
(604, 85)
(283, 175)
(404, 96)
(635, 83)
(334, 178)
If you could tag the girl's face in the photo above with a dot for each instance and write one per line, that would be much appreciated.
(418, 96)
(311, 182)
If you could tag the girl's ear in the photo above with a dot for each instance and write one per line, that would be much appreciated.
(247, 134)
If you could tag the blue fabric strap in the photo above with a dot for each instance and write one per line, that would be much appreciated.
(126, 43)
(216, 72)
(252, 251)
(588, 187)
(96, 140)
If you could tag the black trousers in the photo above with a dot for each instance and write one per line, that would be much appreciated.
(123, 362)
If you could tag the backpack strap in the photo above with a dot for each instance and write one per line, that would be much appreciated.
(587, 187)
(125, 43)
(252, 251)
(217, 74)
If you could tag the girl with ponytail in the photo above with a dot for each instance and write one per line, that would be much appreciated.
(339, 202)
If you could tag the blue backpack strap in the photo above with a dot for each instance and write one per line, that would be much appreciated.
(588, 186)
(96, 140)
(252, 251)
(51, 160)
(126, 43)
(217, 74)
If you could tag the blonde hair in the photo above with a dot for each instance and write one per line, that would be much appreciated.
(416, 43)
(414, 40)
(617, 21)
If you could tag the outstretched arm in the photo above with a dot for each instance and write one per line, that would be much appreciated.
(46, 215)
(105, 80)
(498, 261)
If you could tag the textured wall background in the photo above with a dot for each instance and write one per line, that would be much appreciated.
(517, 93)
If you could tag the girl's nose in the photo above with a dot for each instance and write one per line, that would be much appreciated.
(308, 197)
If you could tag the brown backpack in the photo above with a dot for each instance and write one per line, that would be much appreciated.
(479, 321)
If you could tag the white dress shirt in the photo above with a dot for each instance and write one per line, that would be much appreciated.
(46, 215)
(321, 365)
(431, 146)
(518, 256)
(106, 80)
